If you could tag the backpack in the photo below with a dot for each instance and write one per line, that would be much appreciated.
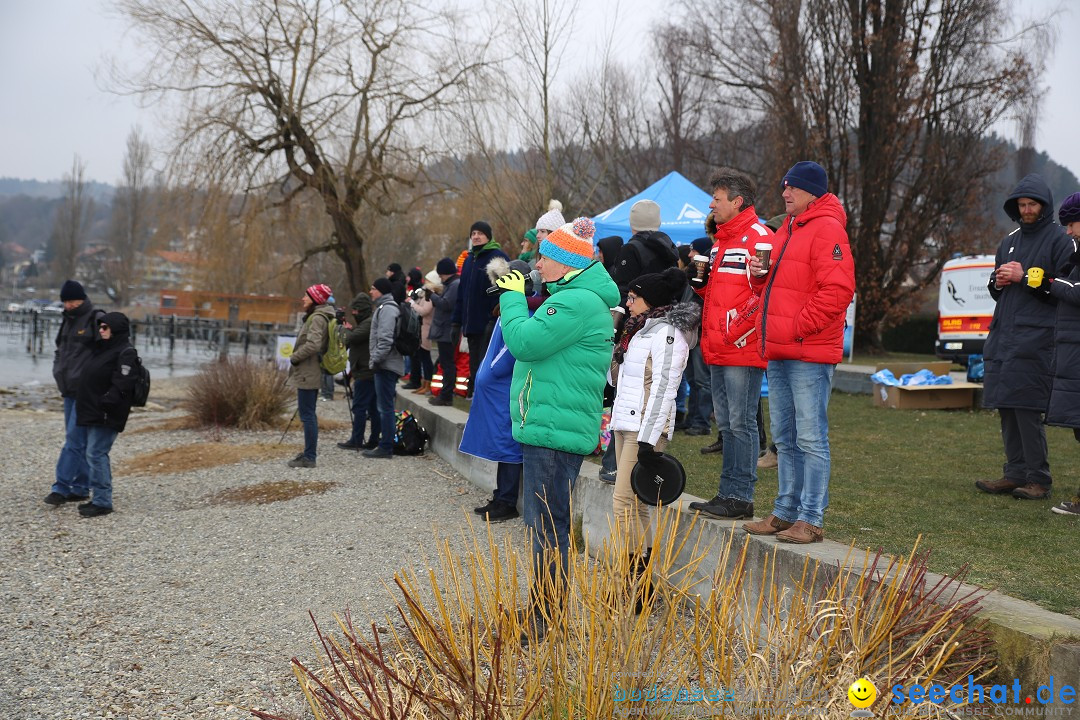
(141, 392)
(407, 333)
(336, 355)
(409, 437)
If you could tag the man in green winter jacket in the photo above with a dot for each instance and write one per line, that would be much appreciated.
(556, 397)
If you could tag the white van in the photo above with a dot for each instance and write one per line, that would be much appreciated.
(965, 307)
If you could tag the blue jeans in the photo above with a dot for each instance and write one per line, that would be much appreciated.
(507, 483)
(549, 478)
(99, 441)
(799, 409)
(364, 409)
(305, 404)
(699, 404)
(72, 473)
(735, 393)
(385, 392)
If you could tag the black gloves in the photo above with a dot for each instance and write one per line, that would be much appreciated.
(649, 459)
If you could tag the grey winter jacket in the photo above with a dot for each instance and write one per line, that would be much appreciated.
(1020, 345)
(74, 343)
(384, 356)
(305, 373)
(444, 309)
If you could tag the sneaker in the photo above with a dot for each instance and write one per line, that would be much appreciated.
(438, 400)
(607, 477)
(801, 533)
(377, 452)
(325, 399)
(484, 509)
(769, 526)
(301, 462)
(410, 386)
(56, 499)
(349, 446)
(716, 447)
(699, 431)
(1000, 486)
(500, 512)
(1067, 508)
(1031, 491)
(725, 508)
(90, 510)
(767, 460)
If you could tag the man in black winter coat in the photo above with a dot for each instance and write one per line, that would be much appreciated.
(78, 331)
(647, 251)
(1020, 345)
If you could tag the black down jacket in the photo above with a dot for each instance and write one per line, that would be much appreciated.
(104, 395)
(74, 341)
(1065, 396)
(1020, 345)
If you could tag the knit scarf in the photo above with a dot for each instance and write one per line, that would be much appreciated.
(631, 327)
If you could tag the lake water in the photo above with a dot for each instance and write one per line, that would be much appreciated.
(19, 368)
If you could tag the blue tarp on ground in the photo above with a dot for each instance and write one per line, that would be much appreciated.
(683, 209)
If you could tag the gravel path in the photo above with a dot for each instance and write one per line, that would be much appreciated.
(176, 606)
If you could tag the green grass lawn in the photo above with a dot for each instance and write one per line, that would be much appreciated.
(898, 474)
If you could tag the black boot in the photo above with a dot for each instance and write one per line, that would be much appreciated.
(640, 582)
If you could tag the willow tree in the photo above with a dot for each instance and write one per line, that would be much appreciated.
(339, 99)
(896, 99)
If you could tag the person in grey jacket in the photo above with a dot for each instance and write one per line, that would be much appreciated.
(305, 374)
(1020, 345)
(387, 363)
(74, 343)
(441, 332)
(357, 338)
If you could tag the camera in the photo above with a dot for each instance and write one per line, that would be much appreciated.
(418, 293)
(339, 313)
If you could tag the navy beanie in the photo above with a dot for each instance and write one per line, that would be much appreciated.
(482, 227)
(72, 290)
(446, 266)
(809, 176)
(702, 245)
(383, 285)
(1067, 213)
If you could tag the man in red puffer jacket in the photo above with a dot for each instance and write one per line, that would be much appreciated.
(729, 340)
(804, 297)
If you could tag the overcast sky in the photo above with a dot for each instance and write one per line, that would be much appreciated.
(51, 106)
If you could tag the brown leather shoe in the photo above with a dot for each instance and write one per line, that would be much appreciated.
(1032, 491)
(1000, 486)
(769, 526)
(801, 533)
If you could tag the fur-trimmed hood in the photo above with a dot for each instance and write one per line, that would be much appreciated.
(684, 317)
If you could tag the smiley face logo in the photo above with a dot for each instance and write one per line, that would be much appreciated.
(862, 693)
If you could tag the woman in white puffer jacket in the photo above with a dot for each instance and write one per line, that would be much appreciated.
(647, 367)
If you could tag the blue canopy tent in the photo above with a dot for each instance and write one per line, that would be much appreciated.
(683, 209)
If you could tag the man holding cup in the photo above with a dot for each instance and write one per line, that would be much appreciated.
(1020, 345)
(728, 338)
(805, 292)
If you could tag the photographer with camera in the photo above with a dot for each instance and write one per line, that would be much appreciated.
(357, 326)
(422, 367)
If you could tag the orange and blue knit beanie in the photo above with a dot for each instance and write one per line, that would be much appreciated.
(571, 244)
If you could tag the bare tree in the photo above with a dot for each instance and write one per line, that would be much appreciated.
(895, 99)
(130, 223)
(339, 99)
(72, 222)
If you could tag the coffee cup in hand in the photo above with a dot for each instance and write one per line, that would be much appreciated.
(763, 251)
(701, 264)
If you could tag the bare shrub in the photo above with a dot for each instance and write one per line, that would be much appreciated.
(238, 393)
(788, 647)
